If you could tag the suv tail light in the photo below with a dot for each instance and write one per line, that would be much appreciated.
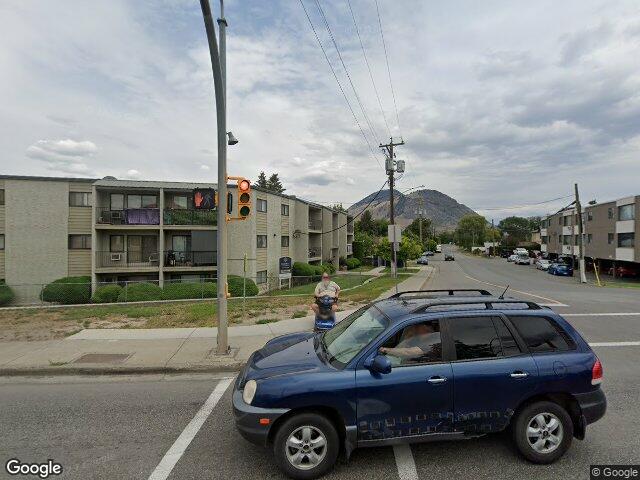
(596, 373)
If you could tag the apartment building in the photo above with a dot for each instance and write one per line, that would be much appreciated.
(609, 232)
(125, 230)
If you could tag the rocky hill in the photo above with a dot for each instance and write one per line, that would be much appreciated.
(443, 210)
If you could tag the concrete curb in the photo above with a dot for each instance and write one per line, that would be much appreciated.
(124, 370)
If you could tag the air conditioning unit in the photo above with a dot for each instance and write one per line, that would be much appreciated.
(116, 257)
(116, 216)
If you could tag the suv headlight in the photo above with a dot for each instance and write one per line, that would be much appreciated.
(249, 391)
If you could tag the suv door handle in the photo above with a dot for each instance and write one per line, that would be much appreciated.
(437, 379)
(519, 374)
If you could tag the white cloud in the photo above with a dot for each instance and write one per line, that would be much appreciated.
(63, 156)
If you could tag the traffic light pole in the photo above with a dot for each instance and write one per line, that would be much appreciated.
(218, 59)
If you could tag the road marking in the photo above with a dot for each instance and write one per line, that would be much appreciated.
(552, 302)
(615, 344)
(405, 463)
(178, 448)
(620, 314)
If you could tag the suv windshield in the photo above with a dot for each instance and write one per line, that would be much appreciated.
(350, 336)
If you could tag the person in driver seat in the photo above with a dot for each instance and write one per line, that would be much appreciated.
(420, 343)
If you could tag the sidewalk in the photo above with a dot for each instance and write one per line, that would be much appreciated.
(164, 350)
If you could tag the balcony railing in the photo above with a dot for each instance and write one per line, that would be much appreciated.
(190, 259)
(315, 225)
(314, 252)
(126, 259)
(128, 216)
(190, 217)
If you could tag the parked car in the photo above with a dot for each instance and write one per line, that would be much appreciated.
(423, 260)
(438, 248)
(522, 259)
(428, 253)
(512, 258)
(448, 257)
(562, 269)
(542, 264)
(624, 271)
(310, 396)
(505, 254)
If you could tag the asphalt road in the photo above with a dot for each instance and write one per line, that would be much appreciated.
(123, 427)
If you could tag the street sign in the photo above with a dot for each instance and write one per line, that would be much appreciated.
(394, 236)
(285, 265)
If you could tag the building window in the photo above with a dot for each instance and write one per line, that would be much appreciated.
(2, 197)
(575, 240)
(179, 202)
(589, 215)
(560, 220)
(79, 199)
(626, 240)
(626, 212)
(2, 242)
(284, 241)
(609, 213)
(142, 201)
(261, 205)
(609, 238)
(565, 221)
(262, 241)
(79, 242)
(589, 238)
(560, 239)
(261, 277)
(116, 243)
(544, 239)
(284, 209)
(116, 201)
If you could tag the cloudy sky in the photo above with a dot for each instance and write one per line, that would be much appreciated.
(501, 103)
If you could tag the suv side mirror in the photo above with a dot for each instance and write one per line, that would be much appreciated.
(380, 364)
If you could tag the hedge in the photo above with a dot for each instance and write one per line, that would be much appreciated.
(68, 290)
(176, 291)
(106, 294)
(235, 286)
(301, 269)
(6, 294)
(140, 292)
(353, 263)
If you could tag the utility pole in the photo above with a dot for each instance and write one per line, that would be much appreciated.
(581, 266)
(391, 167)
(218, 59)
(493, 239)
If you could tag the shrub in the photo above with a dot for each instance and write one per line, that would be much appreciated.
(176, 291)
(235, 286)
(327, 267)
(353, 263)
(140, 292)
(68, 290)
(6, 294)
(106, 294)
(301, 269)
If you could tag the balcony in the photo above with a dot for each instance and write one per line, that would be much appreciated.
(190, 217)
(127, 259)
(314, 252)
(315, 225)
(128, 216)
(190, 259)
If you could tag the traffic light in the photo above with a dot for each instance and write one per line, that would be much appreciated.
(244, 198)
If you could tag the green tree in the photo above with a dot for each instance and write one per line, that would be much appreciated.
(518, 229)
(368, 224)
(414, 228)
(274, 184)
(471, 230)
(262, 180)
(410, 248)
(339, 208)
(363, 245)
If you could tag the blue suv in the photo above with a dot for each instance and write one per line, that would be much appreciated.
(420, 366)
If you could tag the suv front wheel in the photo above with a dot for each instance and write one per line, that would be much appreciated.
(306, 446)
(543, 432)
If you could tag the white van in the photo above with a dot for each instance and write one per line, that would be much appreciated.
(438, 248)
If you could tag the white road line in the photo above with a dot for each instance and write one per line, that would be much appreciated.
(404, 462)
(615, 344)
(178, 448)
(619, 314)
(553, 302)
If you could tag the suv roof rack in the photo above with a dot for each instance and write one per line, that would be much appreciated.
(488, 304)
(450, 291)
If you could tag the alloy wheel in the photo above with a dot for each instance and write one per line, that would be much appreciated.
(544, 432)
(306, 447)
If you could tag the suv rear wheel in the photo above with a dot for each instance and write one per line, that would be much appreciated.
(306, 446)
(543, 432)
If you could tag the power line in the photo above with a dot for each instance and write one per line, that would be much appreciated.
(335, 75)
(514, 207)
(346, 70)
(364, 54)
(386, 56)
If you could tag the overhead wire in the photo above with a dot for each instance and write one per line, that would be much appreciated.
(514, 207)
(386, 56)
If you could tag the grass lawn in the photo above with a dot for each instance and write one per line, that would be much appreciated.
(362, 268)
(43, 324)
(344, 281)
(402, 270)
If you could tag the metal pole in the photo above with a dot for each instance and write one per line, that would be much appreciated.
(581, 266)
(394, 262)
(219, 86)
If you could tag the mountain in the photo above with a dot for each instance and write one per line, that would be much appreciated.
(443, 210)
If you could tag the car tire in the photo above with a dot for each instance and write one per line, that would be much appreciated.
(306, 429)
(550, 434)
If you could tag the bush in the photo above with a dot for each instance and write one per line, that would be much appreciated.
(301, 269)
(327, 267)
(353, 263)
(68, 290)
(106, 294)
(6, 294)
(176, 291)
(140, 292)
(235, 286)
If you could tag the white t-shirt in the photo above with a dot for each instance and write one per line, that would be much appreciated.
(331, 289)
